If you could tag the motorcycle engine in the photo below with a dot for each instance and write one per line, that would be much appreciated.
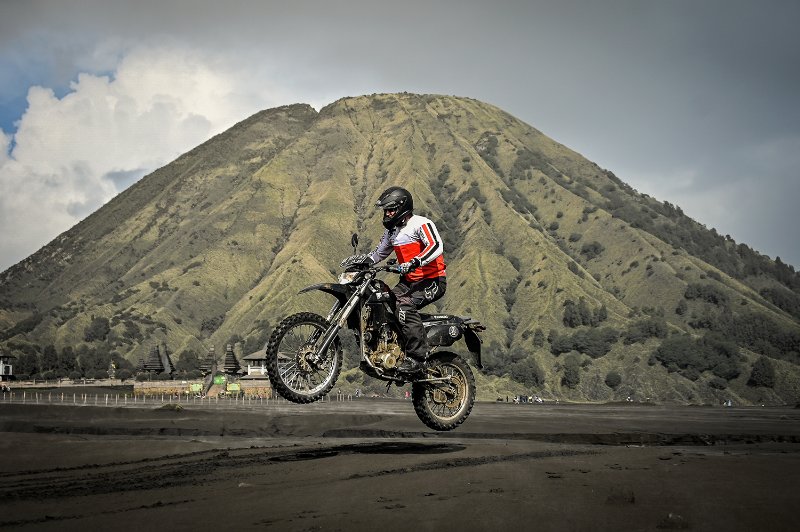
(387, 356)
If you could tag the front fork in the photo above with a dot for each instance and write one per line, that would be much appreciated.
(337, 319)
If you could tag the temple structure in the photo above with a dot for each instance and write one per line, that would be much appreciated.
(231, 365)
(209, 362)
(6, 366)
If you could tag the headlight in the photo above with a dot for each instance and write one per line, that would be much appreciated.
(347, 277)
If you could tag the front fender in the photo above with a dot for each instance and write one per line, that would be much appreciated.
(337, 290)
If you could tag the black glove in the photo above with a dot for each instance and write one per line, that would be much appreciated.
(357, 259)
(409, 266)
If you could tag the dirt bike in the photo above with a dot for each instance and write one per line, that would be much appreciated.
(305, 354)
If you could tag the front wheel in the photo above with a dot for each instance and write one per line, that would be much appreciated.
(445, 405)
(291, 362)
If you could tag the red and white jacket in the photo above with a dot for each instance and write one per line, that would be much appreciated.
(417, 238)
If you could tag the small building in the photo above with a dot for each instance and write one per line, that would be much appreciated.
(256, 364)
(6, 367)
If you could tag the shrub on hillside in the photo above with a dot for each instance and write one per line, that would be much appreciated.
(613, 379)
(691, 357)
(572, 377)
(528, 372)
(640, 331)
(98, 329)
(784, 299)
(561, 344)
(521, 203)
(592, 342)
(718, 383)
(706, 292)
(188, 360)
(528, 159)
(538, 338)
(762, 374)
(212, 324)
(579, 314)
(475, 193)
(762, 334)
(574, 268)
(592, 250)
(495, 359)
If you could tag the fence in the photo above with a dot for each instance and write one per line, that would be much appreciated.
(137, 400)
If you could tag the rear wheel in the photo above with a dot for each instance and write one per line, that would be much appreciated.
(445, 405)
(291, 364)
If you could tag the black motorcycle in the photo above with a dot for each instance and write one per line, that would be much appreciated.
(305, 353)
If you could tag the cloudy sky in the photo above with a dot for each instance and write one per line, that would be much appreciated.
(696, 102)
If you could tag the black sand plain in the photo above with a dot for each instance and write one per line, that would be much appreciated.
(370, 464)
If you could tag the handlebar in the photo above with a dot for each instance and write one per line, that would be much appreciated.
(391, 267)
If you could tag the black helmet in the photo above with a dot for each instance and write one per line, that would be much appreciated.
(398, 200)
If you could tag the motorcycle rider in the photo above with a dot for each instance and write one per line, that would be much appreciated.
(418, 248)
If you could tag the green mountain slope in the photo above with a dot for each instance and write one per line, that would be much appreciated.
(589, 289)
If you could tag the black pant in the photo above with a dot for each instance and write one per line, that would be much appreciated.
(410, 297)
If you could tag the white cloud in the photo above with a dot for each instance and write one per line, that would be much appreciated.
(72, 154)
(5, 141)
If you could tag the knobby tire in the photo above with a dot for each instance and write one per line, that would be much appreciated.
(438, 415)
(279, 376)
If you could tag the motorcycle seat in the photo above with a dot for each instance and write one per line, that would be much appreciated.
(435, 318)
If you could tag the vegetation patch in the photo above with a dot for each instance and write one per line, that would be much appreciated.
(98, 329)
(592, 250)
(593, 342)
(762, 374)
(642, 330)
(579, 314)
(613, 379)
(23, 327)
(784, 299)
(706, 292)
(690, 357)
